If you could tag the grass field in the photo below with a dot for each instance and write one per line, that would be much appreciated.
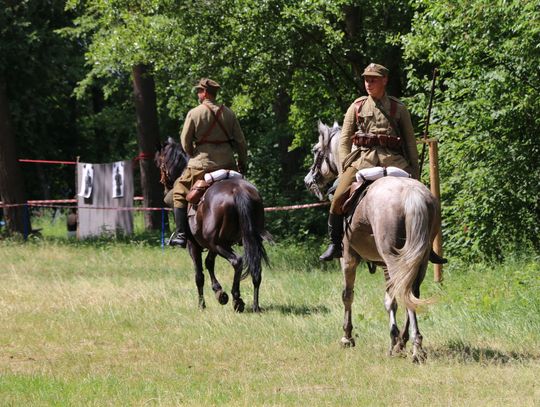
(117, 324)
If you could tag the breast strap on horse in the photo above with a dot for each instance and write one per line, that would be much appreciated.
(216, 116)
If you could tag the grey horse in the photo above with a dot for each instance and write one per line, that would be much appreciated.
(393, 226)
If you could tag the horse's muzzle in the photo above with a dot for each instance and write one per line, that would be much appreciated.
(313, 187)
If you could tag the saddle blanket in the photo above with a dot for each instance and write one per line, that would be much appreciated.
(219, 175)
(371, 174)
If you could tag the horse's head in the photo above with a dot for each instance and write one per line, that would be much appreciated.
(171, 160)
(324, 169)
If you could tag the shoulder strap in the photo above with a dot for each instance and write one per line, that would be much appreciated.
(390, 117)
(358, 106)
(393, 108)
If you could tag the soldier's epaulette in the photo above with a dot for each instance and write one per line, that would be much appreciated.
(396, 100)
(360, 98)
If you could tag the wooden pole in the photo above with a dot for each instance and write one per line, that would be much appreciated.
(436, 191)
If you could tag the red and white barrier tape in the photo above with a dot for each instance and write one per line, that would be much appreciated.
(51, 204)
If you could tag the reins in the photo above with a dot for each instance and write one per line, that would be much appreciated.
(323, 156)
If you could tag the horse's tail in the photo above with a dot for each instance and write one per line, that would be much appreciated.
(250, 214)
(410, 262)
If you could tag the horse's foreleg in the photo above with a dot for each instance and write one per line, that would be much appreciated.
(210, 263)
(349, 262)
(236, 263)
(195, 252)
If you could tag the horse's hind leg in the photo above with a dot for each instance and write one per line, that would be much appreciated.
(397, 342)
(236, 262)
(196, 255)
(256, 284)
(418, 353)
(210, 263)
(349, 262)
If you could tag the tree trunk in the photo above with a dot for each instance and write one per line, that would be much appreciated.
(291, 161)
(11, 178)
(148, 139)
(353, 23)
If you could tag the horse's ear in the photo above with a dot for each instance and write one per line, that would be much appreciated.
(170, 140)
(336, 125)
(323, 129)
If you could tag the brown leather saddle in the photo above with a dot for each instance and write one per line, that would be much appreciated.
(197, 191)
(356, 192)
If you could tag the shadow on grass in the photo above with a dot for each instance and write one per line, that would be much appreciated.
(465, 353)
(297, 309)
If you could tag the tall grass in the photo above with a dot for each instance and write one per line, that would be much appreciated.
(116, 323)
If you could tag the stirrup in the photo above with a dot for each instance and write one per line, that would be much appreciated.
(178, 240)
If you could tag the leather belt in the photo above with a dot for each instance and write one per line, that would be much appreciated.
(371, 140)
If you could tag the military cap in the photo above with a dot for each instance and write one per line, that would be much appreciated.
(208, 84)
(375, 70)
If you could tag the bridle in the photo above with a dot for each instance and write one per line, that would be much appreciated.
(322, 156)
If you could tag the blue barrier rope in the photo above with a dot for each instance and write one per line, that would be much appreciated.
(162, 228)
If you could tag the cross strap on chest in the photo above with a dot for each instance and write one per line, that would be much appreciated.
(216, 116)
(360, 104)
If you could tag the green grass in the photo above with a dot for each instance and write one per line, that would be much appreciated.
(116, 323)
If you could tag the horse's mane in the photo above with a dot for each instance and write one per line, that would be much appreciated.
(171, 160)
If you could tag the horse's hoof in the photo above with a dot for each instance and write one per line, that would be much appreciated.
(202, 305)
(239, 306)
(347, 342)
(256, 309)
(397, 349)
(419, 357)
(222, 297)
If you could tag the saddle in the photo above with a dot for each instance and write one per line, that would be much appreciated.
(357, 191)
(198, 189)
(364, 178)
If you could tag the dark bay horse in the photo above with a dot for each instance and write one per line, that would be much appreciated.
(393, 226)
(231, 212)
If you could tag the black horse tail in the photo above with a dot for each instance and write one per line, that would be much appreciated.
(251, 218)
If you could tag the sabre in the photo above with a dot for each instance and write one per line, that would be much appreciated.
(426, 131)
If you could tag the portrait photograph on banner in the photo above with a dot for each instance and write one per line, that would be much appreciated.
(118, 179)
(87, 181)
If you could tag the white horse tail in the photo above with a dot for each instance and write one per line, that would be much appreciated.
(410, 262)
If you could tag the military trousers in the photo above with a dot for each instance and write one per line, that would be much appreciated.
(183, 184)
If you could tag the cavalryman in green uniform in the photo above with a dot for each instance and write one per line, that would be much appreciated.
(211, 136)
(379, 127)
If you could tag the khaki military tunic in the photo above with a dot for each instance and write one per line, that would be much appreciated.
(375, 122)
(209, 150)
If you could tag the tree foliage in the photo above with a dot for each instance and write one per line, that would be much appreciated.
(283, 65)
(485, 116)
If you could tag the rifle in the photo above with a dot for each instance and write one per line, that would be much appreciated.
(426, 131)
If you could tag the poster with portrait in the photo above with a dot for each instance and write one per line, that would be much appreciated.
(87, 181)
(118, 179)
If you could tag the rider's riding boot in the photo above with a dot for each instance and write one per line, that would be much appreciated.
(335, 230)
(179, 237)
(436, 259)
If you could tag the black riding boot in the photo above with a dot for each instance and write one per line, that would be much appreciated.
(335, 230)
(179, 237)
(436, 259)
